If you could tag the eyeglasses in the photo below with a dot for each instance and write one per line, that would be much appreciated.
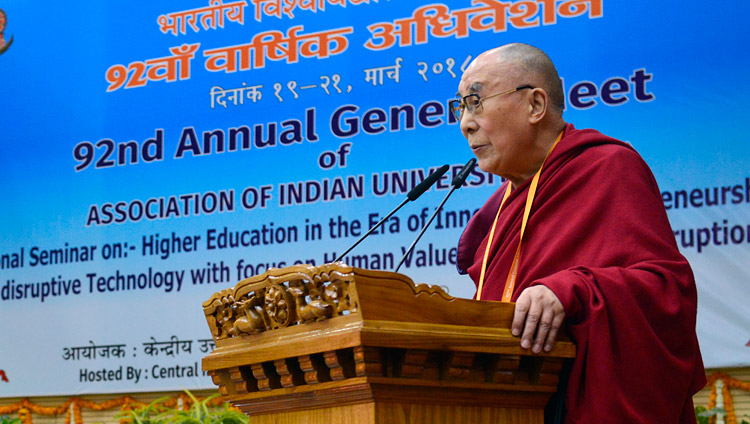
(473, 102)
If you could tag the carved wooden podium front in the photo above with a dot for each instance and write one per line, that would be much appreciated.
(335, 344)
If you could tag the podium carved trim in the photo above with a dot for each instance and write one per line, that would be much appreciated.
(291, 296)
(281, 298)
(307, 337)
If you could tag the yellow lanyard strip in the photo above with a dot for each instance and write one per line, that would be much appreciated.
(489, 243)
(510, 282)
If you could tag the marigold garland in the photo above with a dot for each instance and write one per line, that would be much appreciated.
(72, 407)
(712, 399)
(729, 382)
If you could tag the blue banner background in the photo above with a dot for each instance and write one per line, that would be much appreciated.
(54, 96)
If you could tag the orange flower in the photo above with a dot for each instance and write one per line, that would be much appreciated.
(73, 414)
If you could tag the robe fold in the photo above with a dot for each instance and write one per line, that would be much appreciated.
(598, 236)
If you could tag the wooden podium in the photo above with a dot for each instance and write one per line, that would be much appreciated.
(335, 344)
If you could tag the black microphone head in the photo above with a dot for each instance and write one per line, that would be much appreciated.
(459, 179)
(427, 183)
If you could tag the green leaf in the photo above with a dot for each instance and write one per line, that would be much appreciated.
(8, 420)
(199, 413)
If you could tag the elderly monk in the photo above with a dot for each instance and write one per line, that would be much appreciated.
(578, 236)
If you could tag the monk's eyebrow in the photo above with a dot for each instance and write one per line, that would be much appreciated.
(474, 88)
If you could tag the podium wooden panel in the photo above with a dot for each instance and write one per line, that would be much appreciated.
(336, 344)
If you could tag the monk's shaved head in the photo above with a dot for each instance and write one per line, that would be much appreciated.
(533, 67)
(517, 102)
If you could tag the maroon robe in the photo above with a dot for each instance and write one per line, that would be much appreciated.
(599, 238)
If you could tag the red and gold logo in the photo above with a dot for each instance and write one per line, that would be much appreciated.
(3, 22)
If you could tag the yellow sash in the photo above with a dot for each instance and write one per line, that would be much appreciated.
(510, 282)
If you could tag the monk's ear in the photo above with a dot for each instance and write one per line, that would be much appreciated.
(538, 102)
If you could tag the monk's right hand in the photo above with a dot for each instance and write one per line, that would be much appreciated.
(537, 317)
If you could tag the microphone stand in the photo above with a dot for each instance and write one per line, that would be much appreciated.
(413, 195)
(457, 182)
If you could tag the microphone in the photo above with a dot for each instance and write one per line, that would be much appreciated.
(413, 195)
(457, 182)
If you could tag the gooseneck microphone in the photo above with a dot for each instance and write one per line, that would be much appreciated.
(413, 195)
(457, 182)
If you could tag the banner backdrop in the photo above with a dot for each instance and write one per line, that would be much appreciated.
(157, 152)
